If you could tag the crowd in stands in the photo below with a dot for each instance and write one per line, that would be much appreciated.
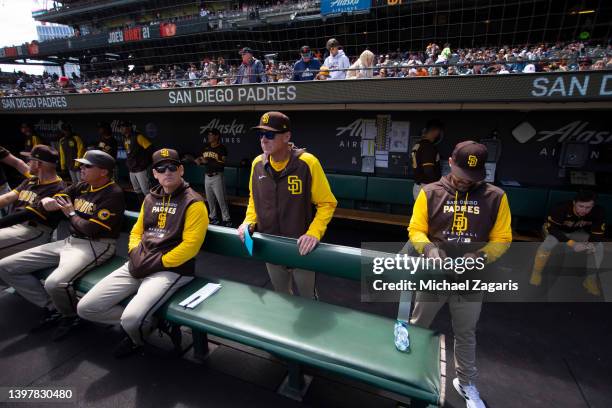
(435, 60)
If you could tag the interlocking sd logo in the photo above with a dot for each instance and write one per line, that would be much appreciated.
(294, 184)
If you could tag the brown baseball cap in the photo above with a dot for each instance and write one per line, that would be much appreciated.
(43, 153)
(469, 159)
(274, 122)
(166, 155)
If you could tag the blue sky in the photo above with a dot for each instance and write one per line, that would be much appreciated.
(17, 26)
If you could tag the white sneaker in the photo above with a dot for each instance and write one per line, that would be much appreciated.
(470, 393)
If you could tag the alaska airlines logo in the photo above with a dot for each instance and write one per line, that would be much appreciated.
(227, 129)
(355, 129)
(573, 131)
(294, 184)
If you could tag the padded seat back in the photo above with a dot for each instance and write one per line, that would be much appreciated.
(347, 189)
(390, 190)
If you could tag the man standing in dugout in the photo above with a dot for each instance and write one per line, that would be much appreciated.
(460, 216)
(213, 158)
(71, 148)
(425, 157)
(28, 225)
(285, 183)
(138, 149)
(94, 208)
(162, 248)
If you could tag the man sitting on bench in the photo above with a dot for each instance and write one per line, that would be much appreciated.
(580, 225)
(94, 208)
(285, 182)
(28, 225)
(162, 248)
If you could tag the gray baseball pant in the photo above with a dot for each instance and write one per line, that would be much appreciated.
(71, 258)
(102, 303)
(215, 193)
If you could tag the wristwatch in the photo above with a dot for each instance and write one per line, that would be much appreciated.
(71, 214)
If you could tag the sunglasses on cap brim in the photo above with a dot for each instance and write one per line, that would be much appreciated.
(163, 167)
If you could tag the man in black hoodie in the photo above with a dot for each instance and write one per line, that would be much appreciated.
(163, 244)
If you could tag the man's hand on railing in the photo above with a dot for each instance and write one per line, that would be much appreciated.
(306, 243)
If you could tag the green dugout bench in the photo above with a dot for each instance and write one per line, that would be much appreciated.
(304, 332)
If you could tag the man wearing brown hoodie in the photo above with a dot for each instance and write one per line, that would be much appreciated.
(285, 183)
(464, 217)
(162, 248)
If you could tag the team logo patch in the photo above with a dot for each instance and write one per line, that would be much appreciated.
(460, 223)
(472, 160)
(104, 214)
(71, 144)
(161, 220)
(265, 119)
(165, 153)
(294, 184)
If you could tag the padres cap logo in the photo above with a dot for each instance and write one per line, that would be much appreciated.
(104, 214)
(165, 153)
(265, 119)
(472, 160)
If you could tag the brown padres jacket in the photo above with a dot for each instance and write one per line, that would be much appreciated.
(168, 233)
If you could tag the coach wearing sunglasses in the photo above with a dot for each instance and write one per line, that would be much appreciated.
(94, 208)
(162, 248)
(285, 183)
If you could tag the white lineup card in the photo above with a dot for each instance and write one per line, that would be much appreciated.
(201, 295)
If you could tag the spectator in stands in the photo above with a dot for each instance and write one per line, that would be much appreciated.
(66, 85)
(284, 185)
(213, 158)
(482, 235)
(251, 70)
(306, 68)
(580, 226)
(363, 67)
(337, 62)
(138, 149)
(71, 148)
(323, 74)
(31, 139)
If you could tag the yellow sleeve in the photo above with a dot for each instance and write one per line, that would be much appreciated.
(321, 196)
(419, 223)
(137, 231)
(143, 141)
(62, 156)
(251, 215)
(500, 236)
(80, 146)
(36, 140)
(196, 223)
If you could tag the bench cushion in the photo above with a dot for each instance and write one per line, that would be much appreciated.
(390, 190)
(352, 343)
